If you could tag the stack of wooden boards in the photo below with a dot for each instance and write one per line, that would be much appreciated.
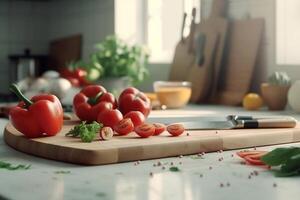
(230, 53)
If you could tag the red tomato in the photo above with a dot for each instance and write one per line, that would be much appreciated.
(243, 154)
(131, 99)
(159, 128)
(145, 130)
(74, 81)
(106, 133)
(110, 117)
(136, 117)
(175, 129)
(124, 127)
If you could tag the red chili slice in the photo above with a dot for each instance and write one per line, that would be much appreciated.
(159, 128)
(175, 129)
(145, 130)
(124, 127)
(253, 161)
(242, 154)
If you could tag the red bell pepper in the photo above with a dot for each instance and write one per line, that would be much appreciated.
(42, 115)
(91, 100)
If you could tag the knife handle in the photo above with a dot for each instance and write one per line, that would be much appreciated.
(286, 122)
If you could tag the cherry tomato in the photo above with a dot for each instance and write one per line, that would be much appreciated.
(110, 117)
(243, 154)
(136, 117)
(106, 133)
(131, 99)
(124, 127)
(175, 129)
(145, 130)
(159, 128)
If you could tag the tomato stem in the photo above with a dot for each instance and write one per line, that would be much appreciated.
(15, 89)
(94, 100)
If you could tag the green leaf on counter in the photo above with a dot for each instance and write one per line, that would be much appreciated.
(280, 155)
(9, 166)
(86, 132)
(174, 169)
(288, 159)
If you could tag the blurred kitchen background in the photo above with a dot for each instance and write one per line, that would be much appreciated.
(41, 35)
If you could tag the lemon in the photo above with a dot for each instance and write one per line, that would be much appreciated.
(252, 101)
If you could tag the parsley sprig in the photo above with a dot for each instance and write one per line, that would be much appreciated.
(86, 132)
(9, 166)
(287, 159)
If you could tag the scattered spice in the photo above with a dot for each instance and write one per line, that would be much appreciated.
(159, 163)
(221, 185)
(181, 156)
(163, 168)
(180, 163)
(210, 168)
(274, 185)
(151, 174)
(227, 184)
(174, 169)
(172, 163)
(187, 134)
(249, 177)
(201, 175)
(154, 165)
(9, 166)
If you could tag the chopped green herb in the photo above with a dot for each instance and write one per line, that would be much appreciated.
(287, 158)
(86, 132)
(174, 169)
(62, 172)
(100, 194)
(9, 166)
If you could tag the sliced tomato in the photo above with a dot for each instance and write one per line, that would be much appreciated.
(253, 160)
(136, 117)
(106, 133)
(124, 127)
(175, 129)
(159, 128)
(145, 130)
(242, 154)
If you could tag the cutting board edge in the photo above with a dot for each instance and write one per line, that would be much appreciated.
(122, 154)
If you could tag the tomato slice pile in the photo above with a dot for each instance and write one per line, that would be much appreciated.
(252, 157)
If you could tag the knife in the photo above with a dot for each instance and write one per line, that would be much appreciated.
(284, 122)
(176, 119)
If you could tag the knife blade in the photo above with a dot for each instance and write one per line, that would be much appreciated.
(286, 122)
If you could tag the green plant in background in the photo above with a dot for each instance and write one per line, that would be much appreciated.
(114, 58)
(279, 78)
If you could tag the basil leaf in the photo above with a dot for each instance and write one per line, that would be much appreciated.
(279, 156)
(292, 164)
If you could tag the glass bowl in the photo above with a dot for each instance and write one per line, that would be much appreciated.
(173, 94)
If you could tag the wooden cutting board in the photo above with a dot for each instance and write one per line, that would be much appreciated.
(132, 148)
(243, 47)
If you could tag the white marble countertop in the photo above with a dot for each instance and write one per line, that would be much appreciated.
(45, 180)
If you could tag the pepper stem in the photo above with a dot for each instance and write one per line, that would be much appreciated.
(15, 89)
(94, 100)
